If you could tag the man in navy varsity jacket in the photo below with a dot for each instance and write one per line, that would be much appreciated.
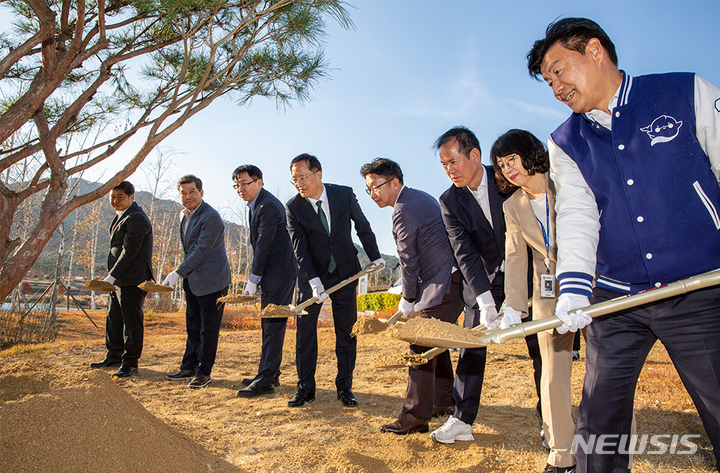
(636, 170)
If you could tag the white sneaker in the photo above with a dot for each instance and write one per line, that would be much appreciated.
(454, 429)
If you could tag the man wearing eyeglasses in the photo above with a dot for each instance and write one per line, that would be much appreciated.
(319, 222)
(273, 269)
(429, 287)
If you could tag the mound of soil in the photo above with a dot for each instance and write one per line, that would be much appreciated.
(58, 418)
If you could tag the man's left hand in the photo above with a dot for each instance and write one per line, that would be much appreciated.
(109, 279)
(379, 262)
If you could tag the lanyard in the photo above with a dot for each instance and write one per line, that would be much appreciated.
(546, 236)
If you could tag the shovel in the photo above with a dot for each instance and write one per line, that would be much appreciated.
(290, 311)
(683, 286)
(430, 354)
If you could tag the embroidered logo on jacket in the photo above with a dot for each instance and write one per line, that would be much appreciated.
(663, 129)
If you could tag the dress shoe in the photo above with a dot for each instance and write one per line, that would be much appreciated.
(180, 375)
(439, 411)
(249, 381)
(406, 424)
(347, 398)
(301, 398)
(199, 381)
(256, 390)
(107, 362)
(125, 372)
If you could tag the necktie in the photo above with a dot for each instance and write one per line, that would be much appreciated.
(323, 219)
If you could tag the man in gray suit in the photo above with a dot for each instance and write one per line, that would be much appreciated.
(206, 274)
(429, 287)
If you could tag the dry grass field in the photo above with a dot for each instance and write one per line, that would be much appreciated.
(58, 415)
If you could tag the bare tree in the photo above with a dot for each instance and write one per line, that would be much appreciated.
(70, 101)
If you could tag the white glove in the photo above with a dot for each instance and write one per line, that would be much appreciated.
(379, 262)
(510, 317)
(488, 312)
(406, 307)
(318, 290)
(171, 279)
(577, 319)
(250, 288)
(109, 279)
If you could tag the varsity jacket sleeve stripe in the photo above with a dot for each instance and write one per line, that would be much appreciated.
(707, 120)
(577, 224)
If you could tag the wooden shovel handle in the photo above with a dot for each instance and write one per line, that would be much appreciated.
(683, 286)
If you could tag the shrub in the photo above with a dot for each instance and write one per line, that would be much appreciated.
(378, 301)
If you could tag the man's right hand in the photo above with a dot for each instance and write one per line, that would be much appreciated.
(318, 290)
(171, 279)
(488, 312)
(406, 307)
(572, 322)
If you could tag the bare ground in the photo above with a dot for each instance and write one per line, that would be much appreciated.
(58, 415)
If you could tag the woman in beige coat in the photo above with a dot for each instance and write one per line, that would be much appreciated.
(521, 164)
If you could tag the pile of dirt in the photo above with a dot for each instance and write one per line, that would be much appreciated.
(368, 325)
(382, 361)
(152, 286)
(237, 299)
(420, 327)
(100, 286)
(276, 311)
(65, 419)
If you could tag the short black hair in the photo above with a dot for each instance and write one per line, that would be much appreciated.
(532, 152)
(126, 187)
(466, 139)
(311, 161)
(250, 169)
(383, 167)
(189, 179)
(573, 34)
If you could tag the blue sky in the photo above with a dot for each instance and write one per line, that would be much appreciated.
(410, 70)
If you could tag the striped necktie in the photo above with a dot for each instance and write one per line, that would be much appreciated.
(323, 219)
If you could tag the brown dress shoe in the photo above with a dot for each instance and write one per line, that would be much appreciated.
(439, 411)
(406, 424)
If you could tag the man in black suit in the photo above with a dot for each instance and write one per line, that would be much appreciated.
(473, 216)
(273, 268)
(319, 222)
(129, 263)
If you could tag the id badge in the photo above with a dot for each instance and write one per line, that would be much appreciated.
(547, 287)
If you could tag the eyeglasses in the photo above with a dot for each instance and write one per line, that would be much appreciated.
(508, 162)
(301, 179)
(243, 185)
(370, 190)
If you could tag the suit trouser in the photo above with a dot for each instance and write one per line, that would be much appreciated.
(431, 384)
(344, 312)
(617, 346)
(470, 372)
(124, 325)
(203, 316)
(558, 424)
(273, 335)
